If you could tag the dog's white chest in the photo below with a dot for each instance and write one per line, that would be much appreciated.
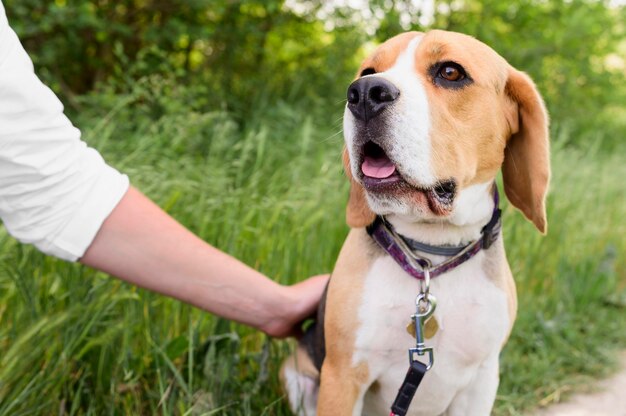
(473, 321)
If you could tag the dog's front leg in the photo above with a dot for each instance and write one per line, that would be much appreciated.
(342, 382)
(342, 389)
(477, 399)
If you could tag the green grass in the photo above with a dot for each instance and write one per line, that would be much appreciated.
(271, 192)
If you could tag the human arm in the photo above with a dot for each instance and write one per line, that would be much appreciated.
(141, 244)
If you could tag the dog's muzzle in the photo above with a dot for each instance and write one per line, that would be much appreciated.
(369, 96)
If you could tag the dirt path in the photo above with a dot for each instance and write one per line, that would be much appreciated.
(609, 399)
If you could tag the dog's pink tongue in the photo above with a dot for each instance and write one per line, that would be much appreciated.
(379, 168)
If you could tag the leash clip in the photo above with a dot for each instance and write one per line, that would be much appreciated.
(425, 305)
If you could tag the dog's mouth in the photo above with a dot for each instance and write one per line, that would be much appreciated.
(380, 175)
(377, 169)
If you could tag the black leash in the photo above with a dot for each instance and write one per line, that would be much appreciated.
(408, 388)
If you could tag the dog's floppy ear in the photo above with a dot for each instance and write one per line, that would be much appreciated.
(358, 213)
(526, 167)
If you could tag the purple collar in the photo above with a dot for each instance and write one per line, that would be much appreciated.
(399, 248)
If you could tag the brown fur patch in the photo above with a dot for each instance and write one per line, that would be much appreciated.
(386, 54)
(344, 297)
(468, 127)
(358, 212)
(526, 168)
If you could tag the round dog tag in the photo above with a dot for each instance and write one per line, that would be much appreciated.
(430, 328)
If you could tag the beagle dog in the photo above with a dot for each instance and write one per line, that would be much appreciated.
(430, 120)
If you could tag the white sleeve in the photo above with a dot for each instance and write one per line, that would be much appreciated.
(55, 192)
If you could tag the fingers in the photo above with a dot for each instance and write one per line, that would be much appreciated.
(304, 298)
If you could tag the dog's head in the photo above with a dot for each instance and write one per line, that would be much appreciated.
(434, 115)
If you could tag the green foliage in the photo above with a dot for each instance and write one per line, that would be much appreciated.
(242, 51)
(239, 50)
(228, 114)
(272, 193)
(73, 339)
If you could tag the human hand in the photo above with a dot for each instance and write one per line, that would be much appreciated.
(300, 302)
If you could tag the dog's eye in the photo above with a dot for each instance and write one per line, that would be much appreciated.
(452, 72)
(449, 75)
(368, 71)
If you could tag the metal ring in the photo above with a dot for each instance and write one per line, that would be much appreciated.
(431, 304)
(417, 262)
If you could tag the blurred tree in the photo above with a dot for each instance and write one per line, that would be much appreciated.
(78, 43)
(238, 49)
(238, 52)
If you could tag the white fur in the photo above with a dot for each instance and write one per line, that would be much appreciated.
(484, 387)
(409, 142)
(302, 391)
(473, 207)
(473, 319)
(472, 313)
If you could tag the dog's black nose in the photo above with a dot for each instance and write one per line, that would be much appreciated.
(369, 96)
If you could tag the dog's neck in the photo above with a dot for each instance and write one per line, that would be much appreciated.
(473, 208)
